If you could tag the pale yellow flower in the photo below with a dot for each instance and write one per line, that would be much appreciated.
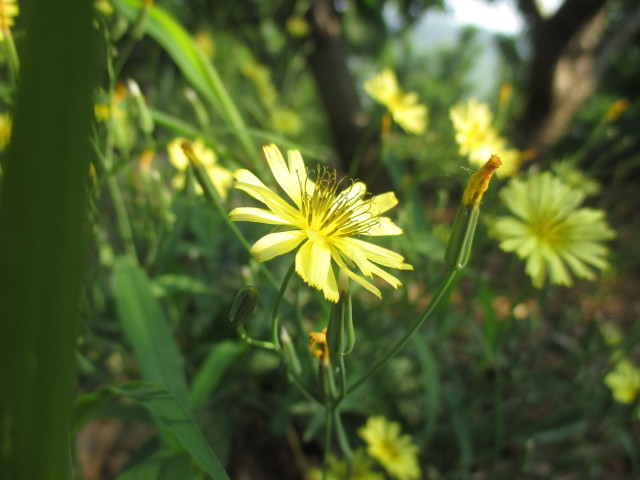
(404, 107)
(396, 453)
(624, 381)
(286, 121)
(551, 231)
(323, 221)
(478, 140)
(9, 10)
(220, 176)
(297, 26)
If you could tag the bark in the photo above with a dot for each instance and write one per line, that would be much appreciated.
(563, 69)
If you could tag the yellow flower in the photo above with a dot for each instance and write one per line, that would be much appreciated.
(6, 127)
(318, 345)
(396, 453)
(220, 176)
(404, 107)
(363, 469)
(324, 221)
(624, 381)
(551, 231)
(8, 12)
(297, 26)
(286, 121)
(478, 140)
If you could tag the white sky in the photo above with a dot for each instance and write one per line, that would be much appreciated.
(499, 16)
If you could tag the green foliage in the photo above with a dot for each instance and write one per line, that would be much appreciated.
(486, 375)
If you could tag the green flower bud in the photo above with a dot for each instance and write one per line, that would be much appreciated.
(341, 335)
(243, 306)
(466, 219)
(289, 352)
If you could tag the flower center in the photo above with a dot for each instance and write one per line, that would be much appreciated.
(328, 212)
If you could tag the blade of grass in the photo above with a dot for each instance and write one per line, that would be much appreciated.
(147, 328)
(41, 245)
(171, 415)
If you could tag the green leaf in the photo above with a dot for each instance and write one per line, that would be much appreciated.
(197, 69)
(220, 358)
(147, 329)
(172, 416)
(42, 233)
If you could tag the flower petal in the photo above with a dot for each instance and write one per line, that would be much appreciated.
(290, 185)
(258, 215)
(275, 203)
(383, 202)
(385, 227)
(275, 244)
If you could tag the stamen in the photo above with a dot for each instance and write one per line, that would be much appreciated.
(340, 212)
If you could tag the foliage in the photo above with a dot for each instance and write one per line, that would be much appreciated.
(470, 372)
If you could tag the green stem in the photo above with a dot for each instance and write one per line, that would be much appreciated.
(257, 343)
(122, 218)
(416, 325)
(211, 194)
(327, 442)
(343, 442)
(343, 378)
(274, 317)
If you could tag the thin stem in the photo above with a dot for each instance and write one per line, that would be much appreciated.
(327, 442)
(416, 325)
(257, 343)
(343, 378)
(122, 218)
(276, 307)
(343, 442)
(211, 194)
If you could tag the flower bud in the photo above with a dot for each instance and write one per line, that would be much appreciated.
(243, 306)
(466, 219)
(289, 352)
(341, 335)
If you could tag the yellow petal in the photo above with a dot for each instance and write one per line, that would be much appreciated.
(290, 185)
(380, 255)
(259, 215)
(385, 227)
(303, 261)
(298, 171)
(366, 284)
(275, 203)
(330, 289)
(276, 244)
(319, 264)
(382, 203)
